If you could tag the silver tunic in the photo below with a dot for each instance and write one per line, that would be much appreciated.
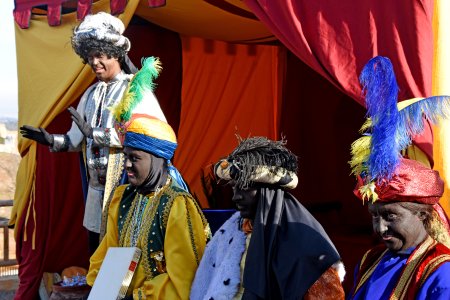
(93, 107)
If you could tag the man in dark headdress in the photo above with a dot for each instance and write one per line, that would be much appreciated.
(273, 248)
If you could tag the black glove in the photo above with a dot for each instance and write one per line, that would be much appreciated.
(39, 135)
(84, 127)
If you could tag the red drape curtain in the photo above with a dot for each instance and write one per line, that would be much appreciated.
(337, 38)
(22, 11)
(23, 8)
(57, 215)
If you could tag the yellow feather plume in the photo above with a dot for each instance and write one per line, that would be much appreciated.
(360, 151)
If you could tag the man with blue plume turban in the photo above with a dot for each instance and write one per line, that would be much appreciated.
(402, 194)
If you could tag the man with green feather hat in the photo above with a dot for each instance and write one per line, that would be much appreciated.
(154, 213)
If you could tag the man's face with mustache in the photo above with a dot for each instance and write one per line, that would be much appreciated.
(398, 227)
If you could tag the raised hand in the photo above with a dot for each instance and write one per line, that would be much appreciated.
(84, 127)
(39, 135)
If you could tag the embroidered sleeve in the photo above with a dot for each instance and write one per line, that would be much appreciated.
(106, 137)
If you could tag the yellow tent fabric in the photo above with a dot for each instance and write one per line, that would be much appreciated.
(441, 86)
(53, 81)
(230, 21)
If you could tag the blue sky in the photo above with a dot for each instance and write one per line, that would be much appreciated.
(8, 74)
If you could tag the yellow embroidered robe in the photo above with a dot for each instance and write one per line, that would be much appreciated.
(175, 228)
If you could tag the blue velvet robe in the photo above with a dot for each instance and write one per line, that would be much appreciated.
(385, 277)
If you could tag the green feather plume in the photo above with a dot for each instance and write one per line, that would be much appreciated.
(142, 83)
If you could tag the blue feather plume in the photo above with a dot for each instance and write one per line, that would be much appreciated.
(381, 91)
(411, 121)
(390, 125)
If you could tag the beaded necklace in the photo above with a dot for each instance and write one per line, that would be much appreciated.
(134, 220)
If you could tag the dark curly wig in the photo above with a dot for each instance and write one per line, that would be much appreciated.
(260, 151)
(108, 48)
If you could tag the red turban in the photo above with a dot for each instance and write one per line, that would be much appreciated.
(412, 182)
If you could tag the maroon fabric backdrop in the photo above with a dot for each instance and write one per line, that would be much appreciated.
(320, 135)
(61, 240)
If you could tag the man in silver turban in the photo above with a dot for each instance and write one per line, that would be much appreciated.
(102, 33)
(100, 43)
